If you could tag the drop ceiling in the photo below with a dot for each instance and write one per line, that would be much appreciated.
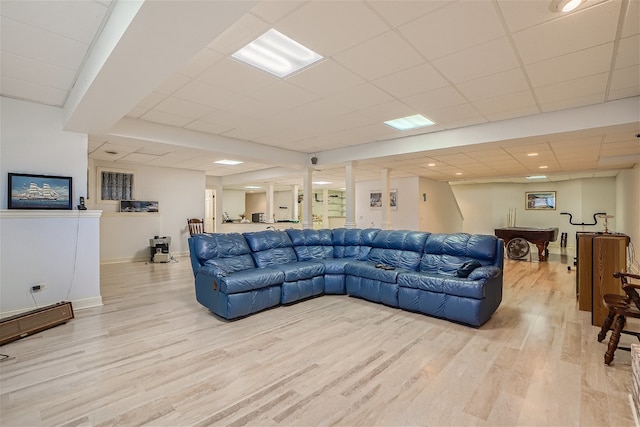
(159, 94)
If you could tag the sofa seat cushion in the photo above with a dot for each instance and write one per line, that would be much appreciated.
(368, 270)
(396, 258)
(246, 280)
(335, 265)
(295, 271)
(230, 265)
(450, 285)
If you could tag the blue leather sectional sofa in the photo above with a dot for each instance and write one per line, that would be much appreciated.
(240, 274)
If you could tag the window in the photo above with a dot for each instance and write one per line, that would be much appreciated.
(115, 184)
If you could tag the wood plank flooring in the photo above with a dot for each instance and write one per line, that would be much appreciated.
(153, 356)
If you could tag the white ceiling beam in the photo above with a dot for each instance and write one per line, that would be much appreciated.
(236, 148)
(264, 175)
(142, 44)
(614, 113)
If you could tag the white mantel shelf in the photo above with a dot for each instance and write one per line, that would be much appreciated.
(28, 213)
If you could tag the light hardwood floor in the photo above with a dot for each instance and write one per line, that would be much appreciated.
(152, 355)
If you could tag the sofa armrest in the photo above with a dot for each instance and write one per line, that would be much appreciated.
(485, 272)
(212, 271)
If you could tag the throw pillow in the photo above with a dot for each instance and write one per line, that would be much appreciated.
(465, 269)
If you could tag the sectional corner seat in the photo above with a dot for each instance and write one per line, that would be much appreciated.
(240, 274)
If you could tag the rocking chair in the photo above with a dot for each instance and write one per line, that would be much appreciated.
(196, 226)
(620, 307)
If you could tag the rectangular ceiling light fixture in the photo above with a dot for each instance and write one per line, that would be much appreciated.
(228, 162)
(537, 177)
(277, 54)
(409, 122)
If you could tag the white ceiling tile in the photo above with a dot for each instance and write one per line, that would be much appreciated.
(388, 111)
(182, 108)
(77, 20)
(33, 91)
(273, 11)
(628, 52)
(631, 22)
(237, 76)
(203, 60)
(361, 96)
(502, 83)
(42, 46)
(480, 61)
(624, 83)
(570, 33)
(241, 33)
(398, 12)
(136, 112)
(165, 118)
(22, 68)
(350, 23)
(453, 28)
(206, 94)
(578, 64)
(287, 95)
(457, 116)
(522, 14)
(173, 83)
(411, 81)
(380, 56)
(151, 100)
(208, 127)
(435, 100)
(519, 101)
(572, 89)
(578, 101)
(138, 158)
(325, 78)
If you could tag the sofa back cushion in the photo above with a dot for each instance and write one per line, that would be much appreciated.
(398, 248)
(353, 242)
(229, 252)
(270, 247)
(311, 244)
(445, 253)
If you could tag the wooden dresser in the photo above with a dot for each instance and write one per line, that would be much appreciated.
(598, 256)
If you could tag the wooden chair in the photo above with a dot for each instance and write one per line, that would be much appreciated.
(620, 307)
(196, 226)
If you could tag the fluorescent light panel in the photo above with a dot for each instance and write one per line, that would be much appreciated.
(537, 177)
(409, 122)
(277, 54)
(322, 182)
(228, 162)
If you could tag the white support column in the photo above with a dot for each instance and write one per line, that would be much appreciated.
(270, 210)
(325, 208)
(219, 215)
(386, 207)
(294, 212)
(350, 202)
(307, 202)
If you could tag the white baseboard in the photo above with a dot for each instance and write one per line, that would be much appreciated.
(139, 259)
(77, 304)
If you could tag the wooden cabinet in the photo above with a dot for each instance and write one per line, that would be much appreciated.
(598, 256)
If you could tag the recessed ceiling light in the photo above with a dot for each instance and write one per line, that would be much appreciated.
(431, 164)
(537, 177)
(321, 182)
(532, 154)
(228, 162)
(277, 54)
(252, 187)
(565, 6)
(543, 167)
(458, 173)
(409, 122)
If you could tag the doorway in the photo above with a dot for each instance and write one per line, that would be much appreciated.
(210, 210)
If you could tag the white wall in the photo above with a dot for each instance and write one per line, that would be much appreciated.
(405, 218)
(180, 194)
(234, 203)
(628, 208)
(440, 212)
(485, 206)
(59, 248)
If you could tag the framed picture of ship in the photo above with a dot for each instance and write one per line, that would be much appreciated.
(27, 191)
